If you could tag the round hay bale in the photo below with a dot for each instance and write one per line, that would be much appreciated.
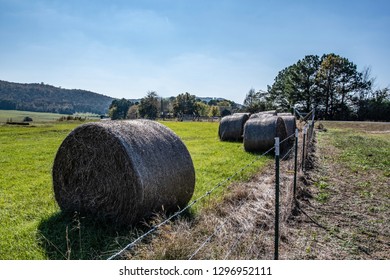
(260, 133)
(290, 123)
(231, 127)
(263, 114)
(123, 171)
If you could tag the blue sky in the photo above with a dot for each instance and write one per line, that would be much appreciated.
(207, 48)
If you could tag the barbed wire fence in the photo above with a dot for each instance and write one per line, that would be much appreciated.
(306, 133)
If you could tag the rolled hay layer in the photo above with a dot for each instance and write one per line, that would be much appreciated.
(290, 123)
(260, 133)
(262, 114)
(123, 171)
(284, 114)
(231, 127)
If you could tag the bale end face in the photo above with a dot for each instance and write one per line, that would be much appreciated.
(260, 133)
(231, 127)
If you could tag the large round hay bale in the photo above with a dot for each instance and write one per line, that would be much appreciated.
(263, 114)
(290, 123)
(260, 133)
(123, 171)
(231, 127)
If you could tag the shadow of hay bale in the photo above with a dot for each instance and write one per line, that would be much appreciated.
(67, 235)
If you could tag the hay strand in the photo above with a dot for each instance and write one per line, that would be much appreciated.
(122, 171)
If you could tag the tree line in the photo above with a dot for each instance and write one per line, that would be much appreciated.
(153, 106)
(331, 84)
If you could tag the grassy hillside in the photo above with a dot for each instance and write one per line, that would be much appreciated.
(33, 226)
(47, 98)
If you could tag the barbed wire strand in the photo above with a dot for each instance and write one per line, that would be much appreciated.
(208, 239)
(287, 138)
(234, 246)
(288, 153)
(154, 228)
(220, 227)
(214, 233)
(250, 248)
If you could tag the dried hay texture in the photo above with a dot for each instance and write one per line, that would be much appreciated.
(260, 133)
(290, 123)
(262, 114)
(231, 127)
(123, 171)
(284, 114)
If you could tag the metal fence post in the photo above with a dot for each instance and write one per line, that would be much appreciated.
(295, 162)
(303, 146)
(277, 155)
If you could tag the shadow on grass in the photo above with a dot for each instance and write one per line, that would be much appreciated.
(74, 237)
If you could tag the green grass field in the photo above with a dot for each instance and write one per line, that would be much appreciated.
(38, 117)
(32, 225)
(364, 145)
(18, 116)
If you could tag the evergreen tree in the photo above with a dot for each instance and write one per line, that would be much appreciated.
(148, 107)
(332, 84)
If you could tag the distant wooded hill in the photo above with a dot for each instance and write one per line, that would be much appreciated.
(47, 98)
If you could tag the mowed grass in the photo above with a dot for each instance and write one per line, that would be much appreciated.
(214, 160)
(26, 197)
(351, 190)
(37, 117)
(32, 225)
(364, 146)
(18, 116)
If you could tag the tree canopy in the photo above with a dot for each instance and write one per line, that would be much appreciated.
(148, 107)
(119, 108)
(185, 103)
(332, 84)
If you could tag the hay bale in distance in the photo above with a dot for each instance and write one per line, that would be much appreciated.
(123, 171)
(231, 127)
(260, 133)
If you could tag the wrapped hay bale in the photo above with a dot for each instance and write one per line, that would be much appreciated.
(123, 171)
(231, 127)
(260, 133)
(262, 114)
